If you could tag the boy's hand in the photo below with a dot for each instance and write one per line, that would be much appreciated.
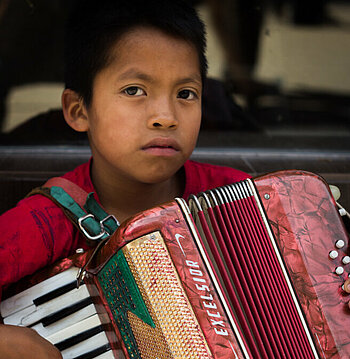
(347, 287)
(20, 343)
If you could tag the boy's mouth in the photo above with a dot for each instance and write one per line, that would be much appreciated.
(162, 147)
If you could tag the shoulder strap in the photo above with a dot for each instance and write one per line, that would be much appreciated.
(80, 207)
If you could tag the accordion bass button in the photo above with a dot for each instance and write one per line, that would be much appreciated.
(346, 260)
(342, 212)
(340, 244)
(339, 270)
(335, 192)
(333, 254)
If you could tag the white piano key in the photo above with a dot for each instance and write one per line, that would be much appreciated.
(25, 299)
(33, 314)
(110, 355)
(16, 318)
(85, 346)
(65, 322)
(78, 328)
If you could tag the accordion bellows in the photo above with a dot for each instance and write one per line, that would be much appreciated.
(242, 271)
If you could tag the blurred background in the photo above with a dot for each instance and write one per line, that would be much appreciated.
(278, 94)
(285, 63)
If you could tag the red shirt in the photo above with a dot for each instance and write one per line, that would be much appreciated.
(36, 232)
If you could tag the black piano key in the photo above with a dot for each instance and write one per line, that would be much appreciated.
(79, 338)
(94, 353)
(55, 293)
(64, 312)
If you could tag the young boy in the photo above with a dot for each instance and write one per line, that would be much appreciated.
(134, 77)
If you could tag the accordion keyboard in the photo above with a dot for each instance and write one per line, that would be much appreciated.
(63, 314)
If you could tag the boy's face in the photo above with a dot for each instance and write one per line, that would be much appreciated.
(145, 113)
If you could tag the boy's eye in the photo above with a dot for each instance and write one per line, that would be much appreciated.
(134, 91)
(187, 95)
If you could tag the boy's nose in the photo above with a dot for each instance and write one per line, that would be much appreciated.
(164, 121)
(163, 118)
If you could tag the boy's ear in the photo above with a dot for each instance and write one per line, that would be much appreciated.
(74, 111)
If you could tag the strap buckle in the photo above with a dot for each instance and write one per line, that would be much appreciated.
(110, 216)
(103, 231)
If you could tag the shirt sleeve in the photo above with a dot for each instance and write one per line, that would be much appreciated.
(33, 235)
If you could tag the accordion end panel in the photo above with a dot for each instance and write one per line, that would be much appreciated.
(307, 227)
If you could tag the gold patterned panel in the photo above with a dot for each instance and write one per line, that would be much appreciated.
(177, 333)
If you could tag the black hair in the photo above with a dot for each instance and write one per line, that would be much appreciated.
(95, 26)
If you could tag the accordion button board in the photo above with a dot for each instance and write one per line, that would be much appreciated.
(306, 226)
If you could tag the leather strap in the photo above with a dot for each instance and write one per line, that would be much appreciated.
(80, 207)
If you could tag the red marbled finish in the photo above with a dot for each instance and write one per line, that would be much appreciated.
(168, 219)
(306, 224)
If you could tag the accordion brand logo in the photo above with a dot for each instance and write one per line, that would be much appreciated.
(178, 237)
(208, 301)
(202, 286)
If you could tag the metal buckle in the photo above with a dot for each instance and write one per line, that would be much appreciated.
(82, 271)
(86, 233)
(80, 276)
(107, 218)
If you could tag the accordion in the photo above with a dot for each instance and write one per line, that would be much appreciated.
(250, 270)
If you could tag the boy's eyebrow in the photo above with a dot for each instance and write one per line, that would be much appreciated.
(135, 73)
(193, 78)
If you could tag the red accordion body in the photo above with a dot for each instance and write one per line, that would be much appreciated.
(292, 306)
(242, 271)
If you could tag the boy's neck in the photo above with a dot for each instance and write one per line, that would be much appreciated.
(124, 200)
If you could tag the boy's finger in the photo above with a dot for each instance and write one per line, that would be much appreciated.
(347, 286)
